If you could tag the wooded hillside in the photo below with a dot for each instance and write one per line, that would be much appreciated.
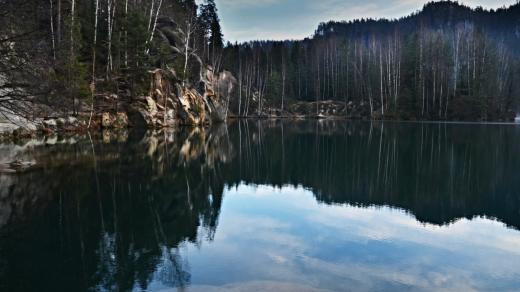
(446, 61)
(61, 52)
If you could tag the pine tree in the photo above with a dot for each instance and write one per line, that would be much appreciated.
(211, 30)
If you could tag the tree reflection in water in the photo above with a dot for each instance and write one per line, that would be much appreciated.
(114, 212)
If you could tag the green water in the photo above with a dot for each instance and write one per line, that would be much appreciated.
(285, 206)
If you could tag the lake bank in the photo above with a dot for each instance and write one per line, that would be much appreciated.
(125, 118)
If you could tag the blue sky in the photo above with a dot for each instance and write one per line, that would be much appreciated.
(244, 20)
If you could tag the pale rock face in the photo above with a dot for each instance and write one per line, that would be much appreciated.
(121, 121)
(151, 106)
(106, 120)
(171, 114)
(72, 121)
(186, 106)
(192, 110)
(7, 128)
(50, 124)
(68, 123)
(12, 124)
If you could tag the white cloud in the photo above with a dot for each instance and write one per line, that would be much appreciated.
(246, 3)
(244, 20)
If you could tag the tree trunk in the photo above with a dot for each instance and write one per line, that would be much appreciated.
(126, 34)
(53, 37)
(71, 57)
(381, 79)
(58, 24)
(152, 32)
(93, 82)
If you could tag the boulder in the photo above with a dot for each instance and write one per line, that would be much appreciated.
(107, 121)
(22, 132)
(72, 122)
(117, 121)
(50, 124)
(12, 124)
(121, 121)
(61, 122)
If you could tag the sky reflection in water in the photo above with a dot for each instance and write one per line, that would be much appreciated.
(284, 235)
(281, 206)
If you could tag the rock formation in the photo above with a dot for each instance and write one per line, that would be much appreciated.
(171, 102)
(175, 101)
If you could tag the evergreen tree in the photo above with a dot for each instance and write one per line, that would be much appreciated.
(211, 29)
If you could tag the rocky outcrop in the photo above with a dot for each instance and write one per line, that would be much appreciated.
(67, 124)
(13, 125)
(192, 110)
(218, 89)
(172, 103)
(114, 121)
(159, 108)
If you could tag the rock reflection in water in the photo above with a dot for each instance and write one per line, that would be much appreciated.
(113, 212)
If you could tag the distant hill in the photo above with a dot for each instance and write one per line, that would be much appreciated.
(502, 23)
(445, 62)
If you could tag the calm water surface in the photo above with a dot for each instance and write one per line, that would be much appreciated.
(279, 206)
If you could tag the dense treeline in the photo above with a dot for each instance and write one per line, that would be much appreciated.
(446, 62)
(76, 49)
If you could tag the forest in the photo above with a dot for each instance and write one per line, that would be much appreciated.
(83, 57)
(445, 62)
(79, 57)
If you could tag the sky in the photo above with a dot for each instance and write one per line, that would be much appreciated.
(244, 20)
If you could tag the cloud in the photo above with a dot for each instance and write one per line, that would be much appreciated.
(246, 3)
(244, 20)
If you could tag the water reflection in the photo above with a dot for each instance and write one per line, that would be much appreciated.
(123, 211)
(438, 172)
(115, 214)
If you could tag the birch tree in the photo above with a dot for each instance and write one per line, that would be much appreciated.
(53, 36)
(93, 81)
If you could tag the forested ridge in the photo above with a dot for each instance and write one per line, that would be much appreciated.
(445, 62)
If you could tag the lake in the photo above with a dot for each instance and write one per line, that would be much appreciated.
(266, 205)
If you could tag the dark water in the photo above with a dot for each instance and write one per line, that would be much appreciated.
(293, 206)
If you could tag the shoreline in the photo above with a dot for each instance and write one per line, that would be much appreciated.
(13, 132)
(13, 145)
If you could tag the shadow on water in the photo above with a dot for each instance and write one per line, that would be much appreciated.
(114, 211)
